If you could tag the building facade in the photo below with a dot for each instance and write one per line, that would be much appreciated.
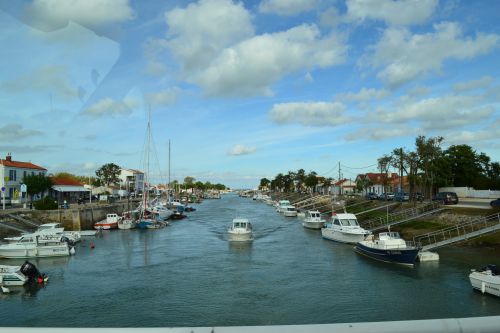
(131, 180)
(12, 174)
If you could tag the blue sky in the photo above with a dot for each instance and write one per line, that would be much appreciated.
(248, 89)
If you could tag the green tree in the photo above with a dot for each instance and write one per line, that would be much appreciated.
(108, 174)
(37, 184)
(311, 180)
(464, 164)
(264, 183)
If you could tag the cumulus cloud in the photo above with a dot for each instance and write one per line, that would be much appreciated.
(54, 14)
(197, 33)
(163, 98)
(444, 112)
(286, 7)
(252, 66)
(489, 133)
(309, 114)
(109, 107)
(242, 150)
(53, 79)
(330, 18)
(401, 12)
(380, 133)
(16, 132)
(404, 56)
(364, 95)
(483, 82)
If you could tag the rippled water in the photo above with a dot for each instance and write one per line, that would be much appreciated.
(188, 274)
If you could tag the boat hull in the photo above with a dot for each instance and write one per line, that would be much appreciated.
(240, 237)
(11, 276)
(313, 224)
(106, 226)
(485, 283)
(26, 251)
(125, 225)
(337, 236)
(398, 256)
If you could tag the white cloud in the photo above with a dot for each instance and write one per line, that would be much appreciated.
(404, 57)
(490, 133)
(330, 18)
(483, 82)
(444, 112)
(364, 95)
(309, 114)
(53, 79)
(380, 133)
(16, 132)
(252, 66)
(51, 14)
(163, 98)
(108, 106)
(197, 33)
(242, 150)
(287, 7)
(401, 12)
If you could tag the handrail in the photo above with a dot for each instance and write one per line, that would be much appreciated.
(395, 217)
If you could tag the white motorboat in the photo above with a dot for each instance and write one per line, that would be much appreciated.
(486, 280)
(162, 212)
(240, 230)
(313, 220)
(128, 220)
(18, 275)
(389, 247)
(344, 228)
(36, 245)
(280, 206)
(111, 222)
(290, 211)
(50, 228)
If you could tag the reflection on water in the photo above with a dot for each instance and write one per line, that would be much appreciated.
(189, 274)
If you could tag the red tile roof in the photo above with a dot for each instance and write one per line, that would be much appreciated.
(65, 182)
(18, 164)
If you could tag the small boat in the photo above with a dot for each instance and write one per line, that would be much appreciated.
(19, 275)
(128, 220)
(240, 230)
(290, 211)
(111, 222)
(388, 247)
(280, 206)
(37, 245)
(313, 220)
(344, 228)
(50, 228)
(486, 280)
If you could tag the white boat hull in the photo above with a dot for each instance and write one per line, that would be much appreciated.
(485, 283)
(126, 224)
(30, 251)
(240, 236)
(11, 276)
(342, 237)
(290, 214)
(313, 224)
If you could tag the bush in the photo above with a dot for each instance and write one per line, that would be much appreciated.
(46, 203)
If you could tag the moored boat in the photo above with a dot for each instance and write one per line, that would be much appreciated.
(19, 275)
(128, 220)
(36, 245)
(388, 247)
(313, 220)
(486, 280)
(290, 211)
(111, 222)
(240, 230)
(344, 228)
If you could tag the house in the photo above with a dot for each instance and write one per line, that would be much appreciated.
(69, 190)
(132, 180)
(344, 186)
(379, 183)
(12, 174)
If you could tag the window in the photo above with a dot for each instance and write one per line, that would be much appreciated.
(12, 175)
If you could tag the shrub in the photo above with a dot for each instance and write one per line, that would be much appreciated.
(46, 203)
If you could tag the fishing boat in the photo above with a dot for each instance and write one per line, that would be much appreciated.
(344, 228)
(388, 247)
(19, 275)
(128, 220)
(36, 245)
(240, 230)
(313, 220)
(486, 280)
(110, 222)
(290, 211)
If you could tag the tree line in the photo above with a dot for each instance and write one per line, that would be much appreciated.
(296, 181)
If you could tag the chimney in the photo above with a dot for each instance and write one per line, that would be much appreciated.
(8, 157)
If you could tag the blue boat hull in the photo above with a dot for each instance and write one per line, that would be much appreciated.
(398, 256)
(143, 224)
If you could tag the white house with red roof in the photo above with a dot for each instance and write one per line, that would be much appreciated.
(12, 173)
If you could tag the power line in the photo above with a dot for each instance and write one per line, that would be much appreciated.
(365, 167)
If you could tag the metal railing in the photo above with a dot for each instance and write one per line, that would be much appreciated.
(401, 216)
(459, 232)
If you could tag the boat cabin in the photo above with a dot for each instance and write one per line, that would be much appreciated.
(345, 220)
(48, 226)
(314, 214)
(241, 224)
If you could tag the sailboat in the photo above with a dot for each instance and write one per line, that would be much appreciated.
(148, 219)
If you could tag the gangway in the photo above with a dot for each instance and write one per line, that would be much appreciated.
(23, 220)
(4, 225)
(403, 216)
(459, 233)
(314, 201)
(378, 208)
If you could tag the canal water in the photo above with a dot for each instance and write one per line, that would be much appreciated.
(188, 274)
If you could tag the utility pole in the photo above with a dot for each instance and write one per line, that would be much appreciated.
(400, 169)
(340, 183)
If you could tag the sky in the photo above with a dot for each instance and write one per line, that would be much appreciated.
(244, 90)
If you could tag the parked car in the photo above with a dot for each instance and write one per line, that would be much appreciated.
(446, 198)
(417, 196)
(372, 196)
(401, 196)
(495, 203)
(389, 196)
